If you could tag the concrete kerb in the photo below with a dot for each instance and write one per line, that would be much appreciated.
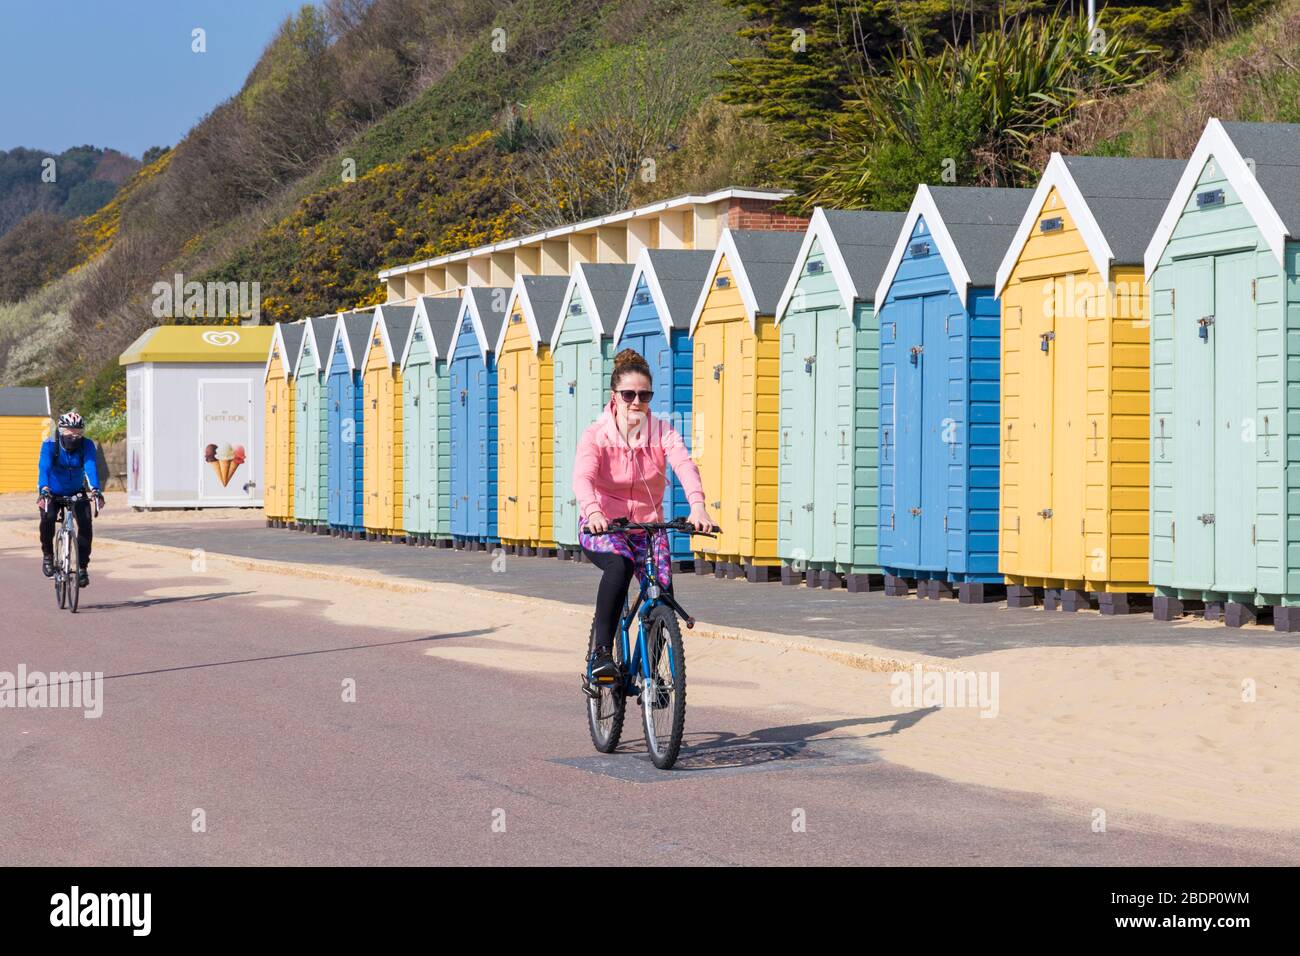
(869, 659)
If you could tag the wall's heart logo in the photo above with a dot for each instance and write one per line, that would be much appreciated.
(220, 338)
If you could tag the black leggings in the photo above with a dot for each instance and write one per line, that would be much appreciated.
(85, 531)
(617, 574)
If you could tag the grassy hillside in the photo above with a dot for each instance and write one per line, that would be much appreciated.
(375, 133)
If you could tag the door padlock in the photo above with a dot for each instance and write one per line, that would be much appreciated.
(916, 351)
(1044, 339)
(717, 372)
(808, 363)
(1203, 327)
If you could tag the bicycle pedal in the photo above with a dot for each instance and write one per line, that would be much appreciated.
(587, 689)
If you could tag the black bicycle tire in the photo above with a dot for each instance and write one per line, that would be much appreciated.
(663, 618)
(74, 585)
(607, 743)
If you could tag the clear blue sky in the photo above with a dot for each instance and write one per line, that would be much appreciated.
(121, 73)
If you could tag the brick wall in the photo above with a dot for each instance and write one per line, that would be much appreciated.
(759, 214)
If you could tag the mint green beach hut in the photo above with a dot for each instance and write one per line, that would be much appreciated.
(311, 438)
(1224, 273)
(583, 355)
(426, 422)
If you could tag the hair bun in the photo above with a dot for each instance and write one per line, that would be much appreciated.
(628, 357)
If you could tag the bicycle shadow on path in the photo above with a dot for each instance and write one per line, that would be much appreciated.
(151, 602)
(771, 748)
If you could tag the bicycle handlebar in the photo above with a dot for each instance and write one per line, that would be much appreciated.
(677, 524)
(82, 495)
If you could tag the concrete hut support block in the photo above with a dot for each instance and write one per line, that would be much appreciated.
(562, 554)
(1123, 602)
(1020, 596)
(790, 576)
(832, 580)
(897, 587)
(1214, 610)
(1236, 614)
(1286, 618)
(703, 568)
(760, 573)
(719, 569)
(863, 583)
(683, 566)
(978, 592)
(735, 570)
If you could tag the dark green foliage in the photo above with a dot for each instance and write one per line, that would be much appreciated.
(40, 248)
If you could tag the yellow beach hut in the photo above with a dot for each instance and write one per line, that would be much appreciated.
(286, 343)
(381, 381)
(24, 424)
(1075, 395)
(736, 400)
(525, 416)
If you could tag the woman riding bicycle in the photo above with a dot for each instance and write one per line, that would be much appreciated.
(619, 472)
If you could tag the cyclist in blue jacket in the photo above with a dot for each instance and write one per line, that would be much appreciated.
(69, 464)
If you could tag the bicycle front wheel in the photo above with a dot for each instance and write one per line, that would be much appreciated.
(663, 695)
(606, 710)
(74, 568)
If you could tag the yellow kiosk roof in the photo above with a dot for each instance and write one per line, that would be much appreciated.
(200, 343)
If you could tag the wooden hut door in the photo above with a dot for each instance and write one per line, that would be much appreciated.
(936, 449)
(799, 450)
(909, 392)
(412, 441)
(508, 445)
(530, 402)
(1193, 426)
(708, 429)
(1068, 354)
(426, 437)
(1035, 439)
(738, 437)
(1239, 433)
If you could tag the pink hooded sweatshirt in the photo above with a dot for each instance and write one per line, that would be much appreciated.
(625, 478)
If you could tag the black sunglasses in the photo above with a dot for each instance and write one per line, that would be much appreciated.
(629, 396)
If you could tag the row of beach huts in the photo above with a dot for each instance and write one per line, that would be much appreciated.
(1081, 395)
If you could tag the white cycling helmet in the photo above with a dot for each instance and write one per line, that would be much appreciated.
(71, 420)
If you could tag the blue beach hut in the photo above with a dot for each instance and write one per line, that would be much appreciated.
(655, 320)
(939, 392)
(345, 423)
(472, 395)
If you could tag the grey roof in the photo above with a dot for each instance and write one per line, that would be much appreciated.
(322, 327)
(608, 284)
(546, 296)
(292, 333)
(681, 274)
(1127, 197)
(982, 222)
(442, 314)
(768, 258)
(491, 303)
(398, 319)
(24, 401)
(865, 240)
(356, 327)
(1275, 150)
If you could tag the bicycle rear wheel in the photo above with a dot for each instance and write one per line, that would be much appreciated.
(606, 710)
(663, 696)
(74, 569)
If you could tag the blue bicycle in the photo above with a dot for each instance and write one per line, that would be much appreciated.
(653, 669)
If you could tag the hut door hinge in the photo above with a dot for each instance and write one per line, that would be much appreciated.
(1045, 513)
(1205, 518)
(891, 521)
(945, 524)
(1252, 289)
(1173, 536)
(1252, 534)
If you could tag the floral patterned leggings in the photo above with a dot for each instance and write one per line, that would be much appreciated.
(621, 557)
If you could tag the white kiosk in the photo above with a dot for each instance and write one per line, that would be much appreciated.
(194, 416)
